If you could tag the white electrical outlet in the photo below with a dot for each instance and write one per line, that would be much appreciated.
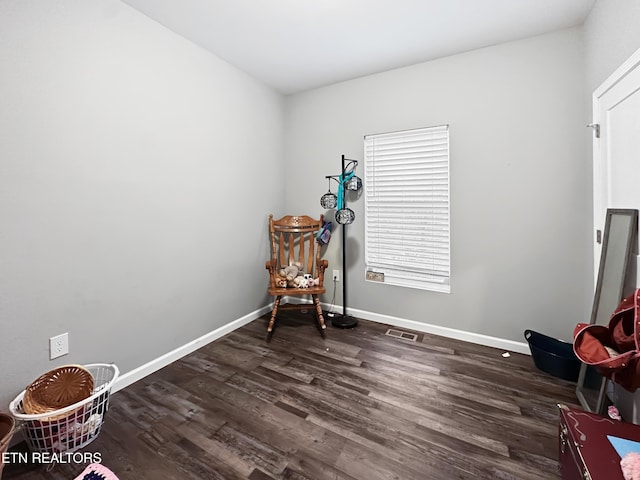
(336, 275)
(58, 346)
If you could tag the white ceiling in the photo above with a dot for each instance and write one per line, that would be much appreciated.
(296, 45)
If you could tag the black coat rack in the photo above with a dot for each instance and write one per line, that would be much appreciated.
(347, 180)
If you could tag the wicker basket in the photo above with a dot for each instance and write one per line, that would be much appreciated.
(58, 388)
(72, 427)
(7, 428)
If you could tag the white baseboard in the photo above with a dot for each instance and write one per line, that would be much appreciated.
(164, 360)
(148, 368)
(478, 338)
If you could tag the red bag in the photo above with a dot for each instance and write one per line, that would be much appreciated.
(614, 350)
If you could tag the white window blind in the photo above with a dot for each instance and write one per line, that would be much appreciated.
(407, 208)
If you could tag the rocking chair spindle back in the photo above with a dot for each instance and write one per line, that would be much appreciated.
(293, 240)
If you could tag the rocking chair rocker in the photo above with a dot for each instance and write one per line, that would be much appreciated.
(293, 240)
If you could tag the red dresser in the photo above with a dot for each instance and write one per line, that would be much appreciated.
(585, 453)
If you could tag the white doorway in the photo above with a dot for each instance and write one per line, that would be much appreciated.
(616, 177)
(616, 148)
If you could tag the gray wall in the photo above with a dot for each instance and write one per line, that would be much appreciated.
(520, 191)
(611, 35)
(127, 154)
(118, 141)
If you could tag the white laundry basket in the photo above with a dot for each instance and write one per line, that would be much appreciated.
(71, 428)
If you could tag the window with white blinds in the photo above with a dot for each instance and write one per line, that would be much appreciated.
(407, 208)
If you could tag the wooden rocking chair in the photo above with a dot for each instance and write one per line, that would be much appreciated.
(293, 239)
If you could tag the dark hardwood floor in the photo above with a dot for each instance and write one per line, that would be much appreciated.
(356, 405)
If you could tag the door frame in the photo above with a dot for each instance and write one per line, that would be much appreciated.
(600, 175)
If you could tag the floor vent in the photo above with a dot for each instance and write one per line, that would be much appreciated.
(400, 334)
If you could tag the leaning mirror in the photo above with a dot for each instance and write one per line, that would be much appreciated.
(620, 234)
